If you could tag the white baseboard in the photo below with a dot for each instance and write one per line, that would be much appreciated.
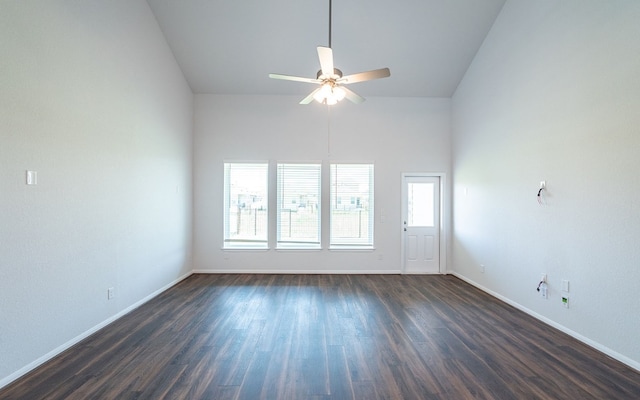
(611, 353)
(295, 271)
(34, 364)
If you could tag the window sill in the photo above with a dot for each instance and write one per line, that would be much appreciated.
(296, 248)
(351, 248)
(244, 248)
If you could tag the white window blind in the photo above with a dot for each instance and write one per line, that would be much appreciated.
(351, 206)
(298, 206)
(245, 205)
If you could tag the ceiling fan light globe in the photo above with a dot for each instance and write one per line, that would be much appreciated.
(322, 93)
(325, 90)
(330, 101)
(338, 93)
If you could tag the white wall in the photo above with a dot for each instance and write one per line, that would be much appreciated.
(553, 94)
(398, 135)
(91, 98)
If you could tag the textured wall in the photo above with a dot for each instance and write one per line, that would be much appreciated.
(93, 100)
(553, 94)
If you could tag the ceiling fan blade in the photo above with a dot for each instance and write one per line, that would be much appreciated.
(366, 76)
(293, 78)
(309, 98)
(352, 96)
(325, 54)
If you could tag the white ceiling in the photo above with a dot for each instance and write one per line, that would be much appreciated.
(230, 46)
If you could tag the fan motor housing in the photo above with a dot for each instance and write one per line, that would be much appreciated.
(336, 71)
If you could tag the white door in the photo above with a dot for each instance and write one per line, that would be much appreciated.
(421, 224)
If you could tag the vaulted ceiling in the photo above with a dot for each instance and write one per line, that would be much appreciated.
(230, 46)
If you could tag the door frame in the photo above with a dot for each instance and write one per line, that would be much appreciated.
(442, 262)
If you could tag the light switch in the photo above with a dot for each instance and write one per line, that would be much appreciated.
(32, 177)
(565, 285)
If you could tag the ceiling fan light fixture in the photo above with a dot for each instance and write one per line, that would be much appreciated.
(329, 94)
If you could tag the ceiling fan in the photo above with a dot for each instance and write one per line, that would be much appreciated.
(331, 79)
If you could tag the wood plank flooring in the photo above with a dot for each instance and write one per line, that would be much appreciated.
(327, 337)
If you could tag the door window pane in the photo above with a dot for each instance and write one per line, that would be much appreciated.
(420, 204)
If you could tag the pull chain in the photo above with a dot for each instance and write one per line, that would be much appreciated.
(328, 131)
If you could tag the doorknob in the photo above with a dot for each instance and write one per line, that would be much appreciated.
(405, 229)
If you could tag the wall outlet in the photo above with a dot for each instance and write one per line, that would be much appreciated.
(565, 301)
(565, 285)
(543, 290)
(110, 293)
(482, 268)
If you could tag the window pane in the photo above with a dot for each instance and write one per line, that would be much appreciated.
(420, 204)
(351, 205)
(245, 205)
(299, 205)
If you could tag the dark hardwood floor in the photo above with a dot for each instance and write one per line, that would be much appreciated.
(327, 337)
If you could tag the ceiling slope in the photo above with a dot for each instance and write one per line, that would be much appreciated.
(230, 47)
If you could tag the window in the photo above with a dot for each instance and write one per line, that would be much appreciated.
(298, 206)
(245, 205)
(351, 206)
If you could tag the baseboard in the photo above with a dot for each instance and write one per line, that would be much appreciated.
(604, 349)
(300, 272)
(33, 365)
